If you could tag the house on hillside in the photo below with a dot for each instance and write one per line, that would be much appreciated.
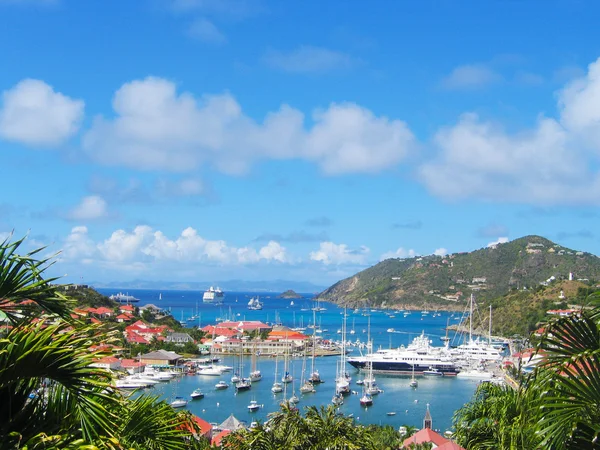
(179, 338)
(161, 358)
(428, 436)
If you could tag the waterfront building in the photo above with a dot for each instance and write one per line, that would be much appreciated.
(161, 358)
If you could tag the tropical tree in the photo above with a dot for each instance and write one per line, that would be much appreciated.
(570, 378)
(320, 428)
(498, 417)
(50, 395)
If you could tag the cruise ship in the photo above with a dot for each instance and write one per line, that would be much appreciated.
(124, 298)
(419, 356)
(211, 295)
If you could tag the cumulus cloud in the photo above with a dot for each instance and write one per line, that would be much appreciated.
(205, 31)
(337, 254)
(500, 240)
(471, 76)
(555, 162)
(33, 114)
(308, 59)
(92, 207)
(440, 251)
(144, 245)
(156, 128)
(400, 253)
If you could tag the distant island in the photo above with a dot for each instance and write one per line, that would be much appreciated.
(289, 294)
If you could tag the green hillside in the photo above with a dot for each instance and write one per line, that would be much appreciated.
(447, 282)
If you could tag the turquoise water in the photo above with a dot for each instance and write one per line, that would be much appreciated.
(444, 395)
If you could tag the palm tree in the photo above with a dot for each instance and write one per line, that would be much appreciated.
(498, 417)
(50, 395)
(320, 428)
(570, 376)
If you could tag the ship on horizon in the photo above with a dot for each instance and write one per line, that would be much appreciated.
(124, 298)
(211, 295)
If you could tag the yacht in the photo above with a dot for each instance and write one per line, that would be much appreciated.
(211, 295)
(366, 400)
(253, 406)
(124, 298)
(418, 356)
(179, 402)
(433, 371)
(197, 394)
(210, 371)
(221, 385)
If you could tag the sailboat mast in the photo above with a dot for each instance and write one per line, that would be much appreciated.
(471, 320)
(490, 334)
(312, 369)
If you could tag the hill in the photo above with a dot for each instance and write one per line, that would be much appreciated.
(446, 282)
(289, 294)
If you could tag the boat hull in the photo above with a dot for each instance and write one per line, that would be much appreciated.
(402, 368)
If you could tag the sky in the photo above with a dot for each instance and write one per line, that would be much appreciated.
(207, 140)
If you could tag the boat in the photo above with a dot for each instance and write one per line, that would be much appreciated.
(211, 295)
(197, 394)
(337, 399)
(391, 413)
(254, 304)
(253, 406)
(477, 349)
(221, 385)
(235, 378)
(413, 382)
(243, 384)
(124, 298)
(342, 380)
(292, 303)
(294, 399)
(366, 400)
(130, 384)
(178, 402)
(391, 330)
(433, 372)
(307, 387)
(419, 356)
(210, 371)
(360, 382)
(277, 386)
(352, 331)
(255, 375)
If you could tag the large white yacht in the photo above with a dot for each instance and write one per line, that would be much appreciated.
(211, 295)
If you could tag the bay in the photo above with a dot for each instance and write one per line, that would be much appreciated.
(444, 394)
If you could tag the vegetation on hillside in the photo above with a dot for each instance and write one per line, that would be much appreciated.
(446, 282)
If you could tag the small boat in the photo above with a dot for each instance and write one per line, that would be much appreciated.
(197, 394)
(294, 399)
(391, 413)
(307, 387)
(243, 385)
(360, 382)
(391, 330)
(210, 371)
(235, 379)
(277, 388)
(287, 378)
(414, 384)
(253, 425)
(337, 400)
(255, 376)
(221, 385)
(366, 400)
(179, 402)
(315, 378)
(433, 372)
(253, 406)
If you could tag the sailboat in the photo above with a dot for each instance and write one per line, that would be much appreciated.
(342, 381)
(413, 382)
(366, 399)
(306, 385)
(277, 386)
(352, 330)
(255, 375)
(287, 377)
(255, 304)
(160, 296)
(315, 377)
(243, 384)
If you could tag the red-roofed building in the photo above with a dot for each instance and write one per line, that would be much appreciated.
(81, 312)
(144, 330)
(134, 338)
(123, 318)
(450, 446)
(562, 312)
(287, 336)
(104, 312)
(126, 309)
(423, 436)
(132, 366)
(216, 440)
(212, 330)
(110, 362)
(94, 320)
(246, 325)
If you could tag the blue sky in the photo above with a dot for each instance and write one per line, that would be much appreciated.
(219, 139)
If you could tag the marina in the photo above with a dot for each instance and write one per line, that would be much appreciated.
(284, 377)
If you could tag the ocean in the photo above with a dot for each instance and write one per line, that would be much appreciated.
(444, 394)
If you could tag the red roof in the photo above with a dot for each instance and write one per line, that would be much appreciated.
(425, 435)
(247, 325)
(131, 363)
(124, 317)
(289, 335)
(103, 310)
(136, 339)
(216, 440)
(94, 320)
(219, 331)
(126, 308)
(107, 360)
(205, 427)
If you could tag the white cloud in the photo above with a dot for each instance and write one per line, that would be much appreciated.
(555, 162)
(78, 245)
(471, 76)
(90, 208)
(331, 253)
(400, 253)
(158, 129)
(34, 114)
(500, 240)
(206, 31)
(124, 246)
(308, 59)
(440, 251)
(273, 251)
